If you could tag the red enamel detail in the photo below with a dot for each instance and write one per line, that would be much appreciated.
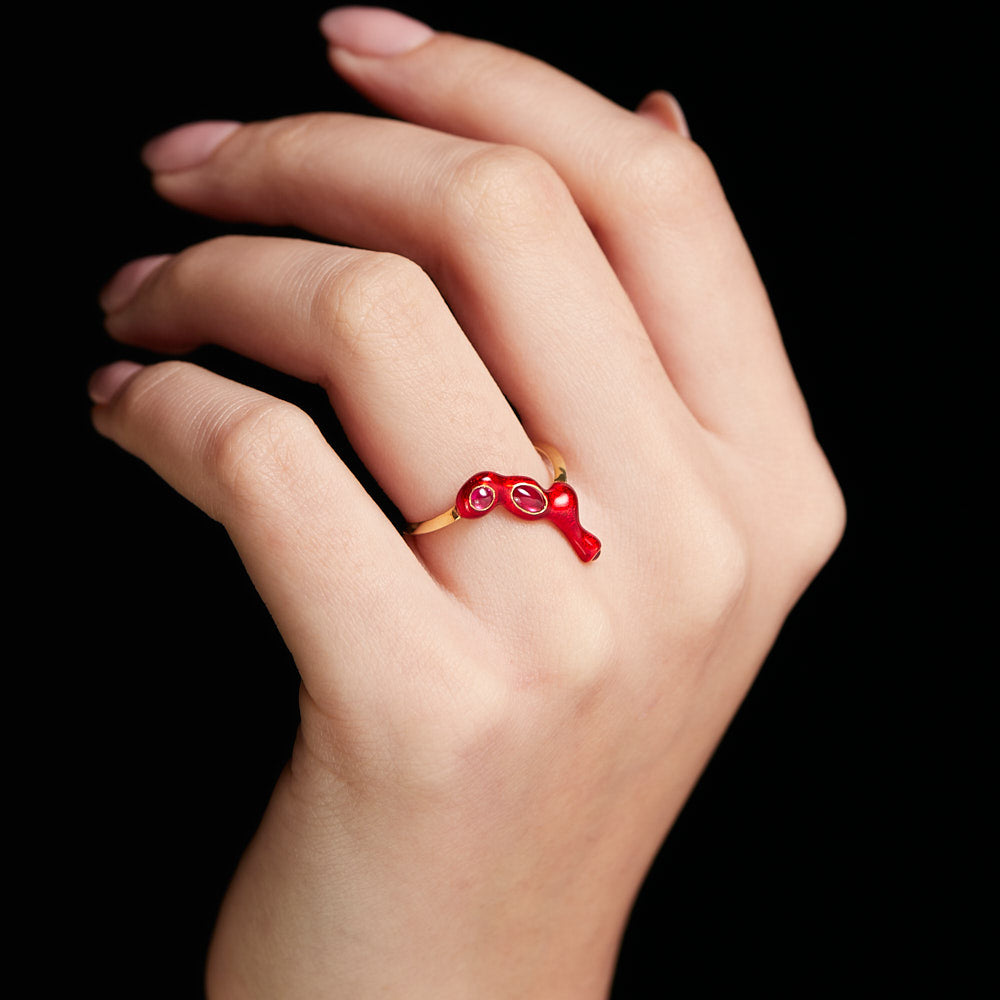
(561, 508)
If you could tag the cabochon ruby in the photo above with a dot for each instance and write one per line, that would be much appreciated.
(528, 498)
(482, 498)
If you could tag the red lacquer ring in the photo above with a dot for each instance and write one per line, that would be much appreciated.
(525, 499)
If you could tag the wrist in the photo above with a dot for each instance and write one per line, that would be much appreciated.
(316, 916)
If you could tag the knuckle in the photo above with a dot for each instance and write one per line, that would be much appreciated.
(805, 519)
(717, 576)
(376, 304)
(664, 173)
(504, 190)
(569, 642)
(816, 529)
(701, 564)
(586, 653)
(254, 453)
(704, 560)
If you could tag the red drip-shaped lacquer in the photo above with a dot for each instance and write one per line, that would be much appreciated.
(529, 501)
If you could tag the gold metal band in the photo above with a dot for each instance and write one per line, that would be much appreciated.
(547, 451)
(441, 521)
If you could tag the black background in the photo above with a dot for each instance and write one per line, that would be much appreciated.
(825, 846)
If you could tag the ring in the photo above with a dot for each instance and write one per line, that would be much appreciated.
(523, 497)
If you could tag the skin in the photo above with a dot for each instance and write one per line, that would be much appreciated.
(495, 736)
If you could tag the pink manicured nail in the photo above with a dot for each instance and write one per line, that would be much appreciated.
(185, 147)
(125, 282)
(682, 125)
(373, 31)
(105, 382)
(661, 106)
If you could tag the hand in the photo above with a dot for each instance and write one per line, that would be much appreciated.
(495, 736)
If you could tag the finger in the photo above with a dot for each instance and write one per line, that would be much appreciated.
(369, 327)
(651, 197)
(498, 233)
(319, 550)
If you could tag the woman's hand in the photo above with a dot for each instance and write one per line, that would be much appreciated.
(495, 735)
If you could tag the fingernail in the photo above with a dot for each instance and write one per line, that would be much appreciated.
(186, 146)
(682, 123)
(123, 285)
(105, 383)
(661, 106)
(373, 31)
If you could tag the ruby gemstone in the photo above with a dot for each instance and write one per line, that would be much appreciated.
(528, 498)
(482, 498)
